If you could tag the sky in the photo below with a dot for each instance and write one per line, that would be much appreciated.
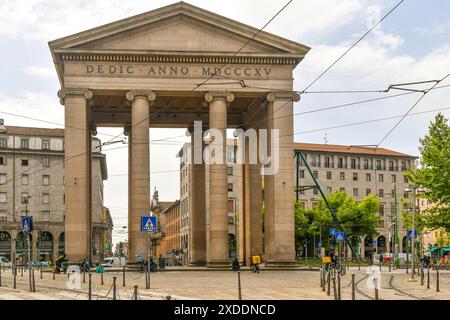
(412, 44)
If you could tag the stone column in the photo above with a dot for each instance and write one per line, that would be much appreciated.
(140, 170)
(218, 246)
(197, 201)
(78, 175)
(279, 239)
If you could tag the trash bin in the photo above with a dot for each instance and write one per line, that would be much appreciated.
(162, 263)
(100, 269)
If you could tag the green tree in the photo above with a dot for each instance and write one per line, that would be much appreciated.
(356, 219)
(434, 173)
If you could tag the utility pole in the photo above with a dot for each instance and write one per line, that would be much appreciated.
(413, 241)
(28, 243)
(396, 239)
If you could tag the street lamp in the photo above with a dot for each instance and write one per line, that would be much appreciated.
(413, 190)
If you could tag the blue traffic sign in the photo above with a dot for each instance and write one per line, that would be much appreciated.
(26, 224)
(320, 244)
(340, 236)
(332, 232)
(409, 233)
(149, 224)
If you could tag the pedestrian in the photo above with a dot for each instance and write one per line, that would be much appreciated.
(380, 258)
(236, 265)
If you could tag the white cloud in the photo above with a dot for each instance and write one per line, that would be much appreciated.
(43, 72)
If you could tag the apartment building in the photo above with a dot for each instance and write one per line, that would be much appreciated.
(32, 182)
(359, 171)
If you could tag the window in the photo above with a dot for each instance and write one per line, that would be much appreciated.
(378, 164)
(381, 193)
(368, 177)
(230, 205)
(403, 165)
(301, 174)
(45, 198)
(230, 187)
(46, 216)
(2, 178)
(313, 161)
(2, 160)
(406, 195)
(3, 216)
(24, 179)
(315, 190)
(316, 174)
(355, 176)
(368, 191)
(353, 163)
(394, 178)
(327, 162)
(3, 142)
(380, 178)
(230, 157)
(381, 210)
(340, 163)
(329, 190)
(24, 143)
(405, 179)
(342, 189)
(46, 162)
(230, 220)
(342, 176)
(24, 162)
(355, 192)
(45, 180)
(230, 171)
(45, 144)
(3, 197)
(328, 175)
(391, 165)
(24, 197)
(366, 164)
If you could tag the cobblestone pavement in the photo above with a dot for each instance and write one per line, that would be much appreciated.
(266, 285)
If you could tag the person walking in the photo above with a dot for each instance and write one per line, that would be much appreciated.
(236, 265)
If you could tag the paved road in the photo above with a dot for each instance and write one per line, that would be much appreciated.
(269, 285)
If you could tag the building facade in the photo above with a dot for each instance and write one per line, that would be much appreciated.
(358, 171)
(32, 183)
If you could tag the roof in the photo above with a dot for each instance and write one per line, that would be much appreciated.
(333, 148)
(31, 131)
(170, 206)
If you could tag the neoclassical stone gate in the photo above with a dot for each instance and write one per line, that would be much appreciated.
(167, 68)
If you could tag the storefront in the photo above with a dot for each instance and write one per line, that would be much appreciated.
(5, 245)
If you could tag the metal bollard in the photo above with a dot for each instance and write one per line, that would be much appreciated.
(437, 280)
(135, 294)
(54, 271)
(101, 278)
(239, 285)
(376, 288)
(328, 282)
(428, 278)
(324, 281)
(114, 288)
(353, 287)
(0, 276)
(334, 289)
(21, 271)
(41, 271)
(123, 277)
(339, 287)
(90, 287)
(422, 276)
(33, 281)
(15, 276)
(84, 276)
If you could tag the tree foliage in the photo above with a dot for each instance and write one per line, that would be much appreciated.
(356, 219)
(434, 173)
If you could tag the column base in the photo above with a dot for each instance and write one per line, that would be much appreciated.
(218, 264)
(197, 263)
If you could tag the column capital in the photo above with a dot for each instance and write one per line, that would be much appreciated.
(83, 93)
(283, 96)
(149, 94)
(224, 95)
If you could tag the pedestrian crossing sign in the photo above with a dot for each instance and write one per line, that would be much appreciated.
(339, 236)
(148, 223)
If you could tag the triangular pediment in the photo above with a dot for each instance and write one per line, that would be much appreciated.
(179, 27)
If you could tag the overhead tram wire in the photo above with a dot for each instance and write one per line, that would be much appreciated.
(352, 46)
(410, 109)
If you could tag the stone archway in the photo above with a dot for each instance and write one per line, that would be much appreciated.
(45, 246)
(5, 245)
(168, 68)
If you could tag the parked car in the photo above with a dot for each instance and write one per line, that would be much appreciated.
(114, 262)
(5, 262)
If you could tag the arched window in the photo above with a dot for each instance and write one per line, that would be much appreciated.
(5, 245)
